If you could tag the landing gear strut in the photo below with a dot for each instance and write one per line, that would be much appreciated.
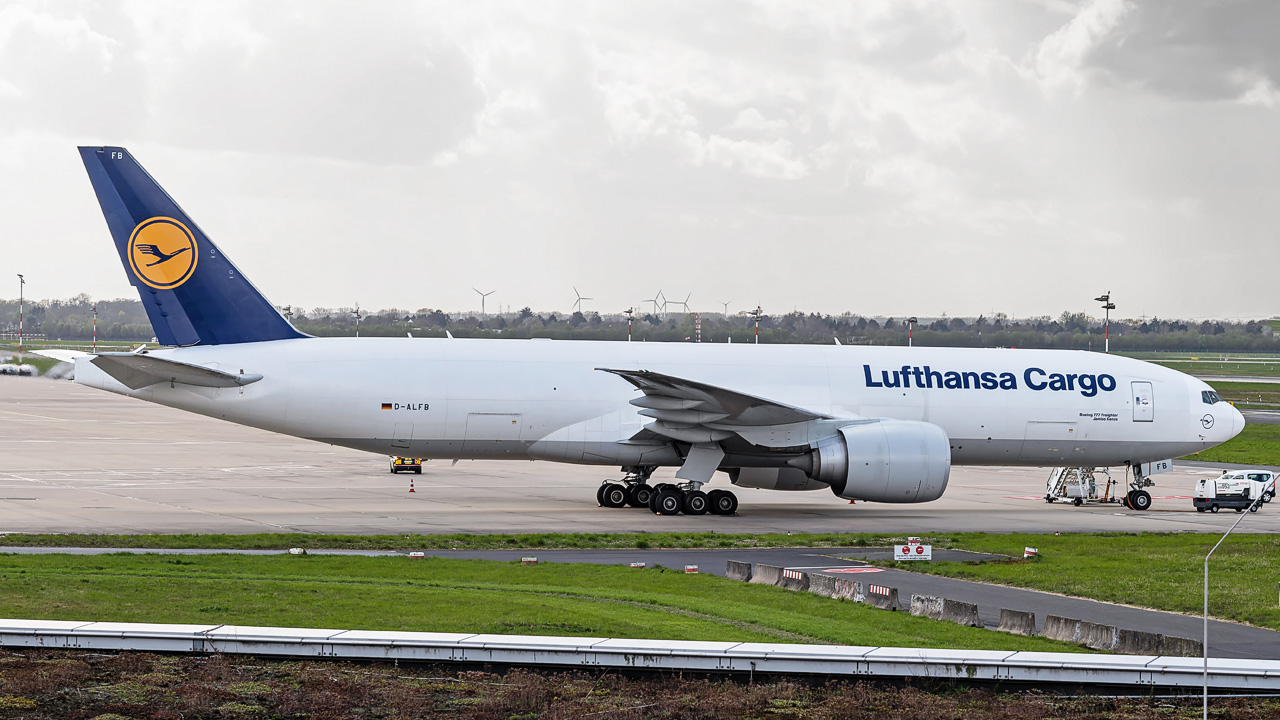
(1137, 498)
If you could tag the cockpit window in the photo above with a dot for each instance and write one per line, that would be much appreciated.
(1210, 397)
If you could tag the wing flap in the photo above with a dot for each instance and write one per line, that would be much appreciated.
(136, 371)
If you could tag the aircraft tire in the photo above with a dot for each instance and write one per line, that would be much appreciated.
(1213, 508)
(600, 495)
(614, 495)
(723, 502)
(1141, 500)
(1128, 500)
(668, 502)
(638, 495)
(695, 503)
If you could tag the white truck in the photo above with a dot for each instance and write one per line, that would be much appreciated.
(1235, 489)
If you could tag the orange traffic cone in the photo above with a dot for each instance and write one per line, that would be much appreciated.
(851, 502)
(411, 484)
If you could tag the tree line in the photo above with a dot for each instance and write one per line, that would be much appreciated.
(121, 319)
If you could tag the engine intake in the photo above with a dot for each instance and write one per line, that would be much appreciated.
(895, 461)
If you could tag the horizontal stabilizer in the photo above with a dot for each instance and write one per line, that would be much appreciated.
(67, 356)
(136, 371)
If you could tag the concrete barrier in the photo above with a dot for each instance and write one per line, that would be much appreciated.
(824, 585)
(738, 571)
(1135, 642)
(1098, 637)
(1061, 628)
(1017, 622)
(766, 575)
(962, 613)
(929, 606)
(885, 598)
(1182, 647)
(794, 580)
(848, 590)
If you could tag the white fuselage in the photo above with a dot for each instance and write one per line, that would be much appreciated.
(543, 399)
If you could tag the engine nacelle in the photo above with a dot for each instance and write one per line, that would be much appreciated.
(894, 461)
(774, 479)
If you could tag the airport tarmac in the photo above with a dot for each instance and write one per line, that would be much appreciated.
(74, 459)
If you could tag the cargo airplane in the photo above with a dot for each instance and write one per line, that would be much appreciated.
(880, 424)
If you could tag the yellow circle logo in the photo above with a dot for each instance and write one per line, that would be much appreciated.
(162, 252)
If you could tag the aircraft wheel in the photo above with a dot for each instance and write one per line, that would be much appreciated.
(1141, 500)
(723, 502)
(667, 502)
(638, 495)
(1213, 508)
(614, 495)
(695, 503)
(600, 495)
(1077, 502)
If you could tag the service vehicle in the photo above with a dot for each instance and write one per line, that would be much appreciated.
(406, 464)
(1238, 490)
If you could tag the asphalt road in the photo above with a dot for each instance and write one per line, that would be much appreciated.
(74, 459)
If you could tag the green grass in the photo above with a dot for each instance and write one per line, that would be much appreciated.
(445, 595)
(1160, 571)
(1257, 444)
(42, 364)
(1243, 393)
(1251, 368)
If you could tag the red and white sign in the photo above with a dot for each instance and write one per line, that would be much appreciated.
(853, 570)
(913, 551)
(691, 569)
(637, 566)
(1028, 552)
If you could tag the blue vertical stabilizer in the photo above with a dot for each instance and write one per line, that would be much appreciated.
(193, 294)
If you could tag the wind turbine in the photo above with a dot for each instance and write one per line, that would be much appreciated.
(483, 295)
(683, 303)
(577, 306)
(725, 303)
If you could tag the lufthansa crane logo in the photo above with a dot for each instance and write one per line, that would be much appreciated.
(162, 253)
(1207, 421)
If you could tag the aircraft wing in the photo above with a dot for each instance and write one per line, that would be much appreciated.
(691, 411)
(137, 371)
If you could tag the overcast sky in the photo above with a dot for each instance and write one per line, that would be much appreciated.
(875, 157)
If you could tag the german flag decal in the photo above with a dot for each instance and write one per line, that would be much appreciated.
(386, 406)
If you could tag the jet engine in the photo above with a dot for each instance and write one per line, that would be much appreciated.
(894, 461)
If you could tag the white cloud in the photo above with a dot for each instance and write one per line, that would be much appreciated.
(1060, 60)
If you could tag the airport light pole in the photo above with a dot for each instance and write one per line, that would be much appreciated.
(95, 327)
(756, 315)
(911, 323)
(1108, 306)
(629, 312)
(357, 314)
(1205, 647)
(22, 284)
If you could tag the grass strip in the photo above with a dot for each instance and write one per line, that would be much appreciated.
(1241, 393)
(1152, 570)
(1257, 444)
(446, 595)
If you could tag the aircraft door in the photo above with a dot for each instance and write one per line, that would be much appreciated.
(1049, 441)
(1144, 406)
(402, 435)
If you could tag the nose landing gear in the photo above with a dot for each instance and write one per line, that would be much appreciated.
(1137, 498)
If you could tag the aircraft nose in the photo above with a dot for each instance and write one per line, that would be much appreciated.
(1237, 422)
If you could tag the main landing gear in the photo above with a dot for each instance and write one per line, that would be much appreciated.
(664, 498)
(1137, 498)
